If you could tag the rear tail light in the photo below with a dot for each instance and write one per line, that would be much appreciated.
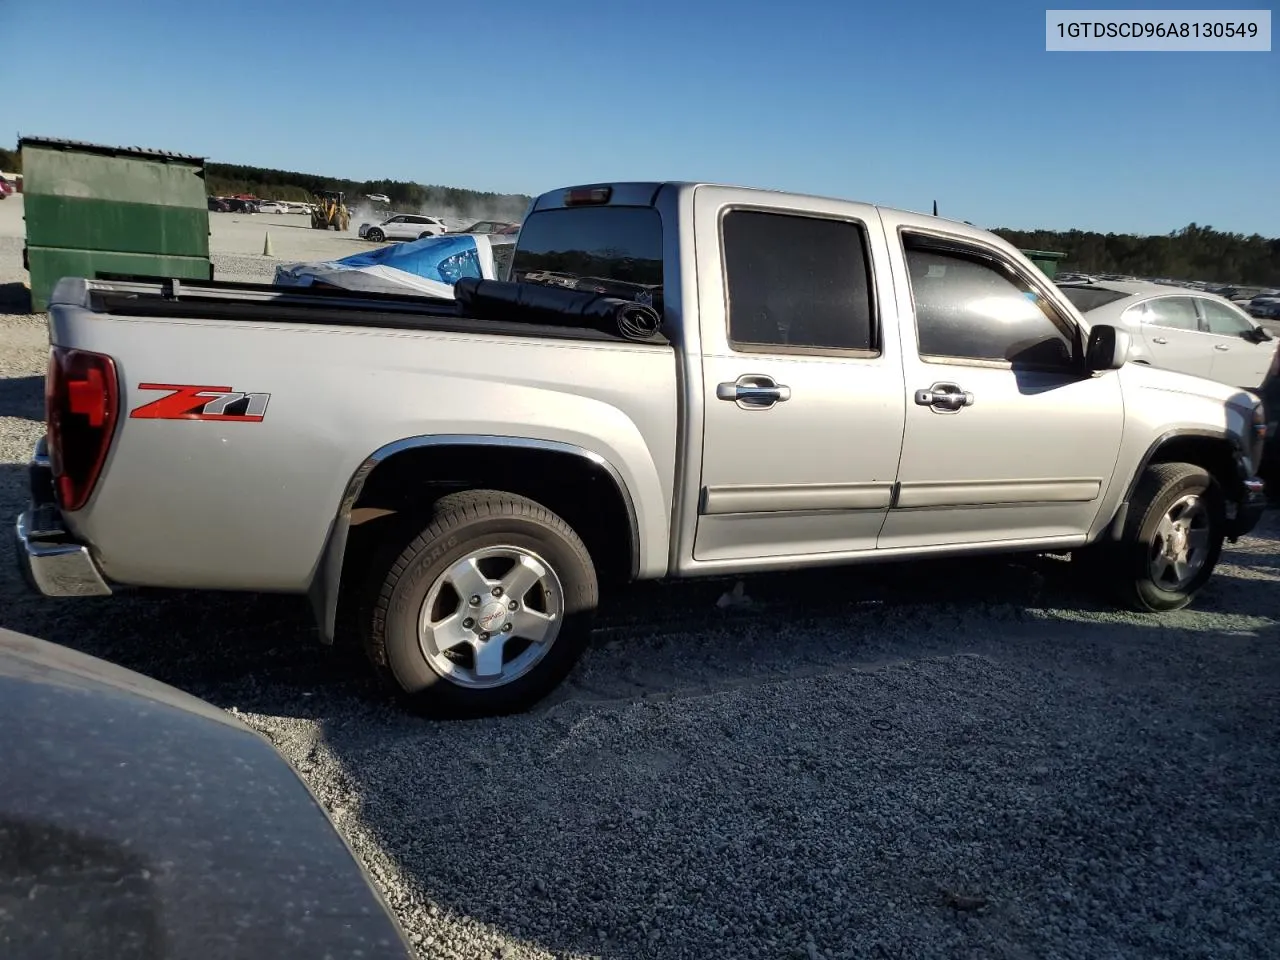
(81, 401)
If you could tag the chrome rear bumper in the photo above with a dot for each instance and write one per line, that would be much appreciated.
(50, 560)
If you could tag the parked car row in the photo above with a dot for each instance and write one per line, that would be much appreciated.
(253, 205)
(1265, 306)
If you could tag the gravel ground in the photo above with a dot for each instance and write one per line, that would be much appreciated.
(927, 760)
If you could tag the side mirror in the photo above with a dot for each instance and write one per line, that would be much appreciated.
(1260, 334)
(1108, 348)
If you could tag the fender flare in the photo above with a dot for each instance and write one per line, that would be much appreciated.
(1115, 527)
(326, 581)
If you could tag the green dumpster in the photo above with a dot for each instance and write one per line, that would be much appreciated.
(1046, 260)
(93, 209)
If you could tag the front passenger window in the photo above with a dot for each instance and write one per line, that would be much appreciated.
(1176, 313)
(968, 308)
(1224, 321)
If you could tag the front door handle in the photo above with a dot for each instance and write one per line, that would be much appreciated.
(944, 398)
(1159, 340)
(1221, 346)
(753, 391)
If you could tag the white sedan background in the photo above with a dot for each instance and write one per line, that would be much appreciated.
(1178, 329)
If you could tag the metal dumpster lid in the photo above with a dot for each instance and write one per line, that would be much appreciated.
(61, 144)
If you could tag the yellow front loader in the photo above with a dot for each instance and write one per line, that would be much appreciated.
(330, 210)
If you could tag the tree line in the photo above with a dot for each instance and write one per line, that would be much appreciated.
(227, 179)
(1192, 253)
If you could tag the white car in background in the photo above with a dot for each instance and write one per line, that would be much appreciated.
(1189, 331)
(403, 226)
(273, 206)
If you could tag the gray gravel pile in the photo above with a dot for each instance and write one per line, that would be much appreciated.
(932, 760)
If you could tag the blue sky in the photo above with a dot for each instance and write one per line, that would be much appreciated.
(893, 103)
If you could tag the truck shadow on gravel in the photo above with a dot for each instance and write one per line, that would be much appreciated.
(22, 397)
(15, 299)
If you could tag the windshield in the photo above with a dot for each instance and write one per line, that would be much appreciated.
(621, 246)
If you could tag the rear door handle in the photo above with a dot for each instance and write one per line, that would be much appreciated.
(753, 391)
(1159, 340)
(944, 398)
(1221, 346)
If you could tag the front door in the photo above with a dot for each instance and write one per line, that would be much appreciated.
(802, 394)
(1237, 361)
(1005, 441)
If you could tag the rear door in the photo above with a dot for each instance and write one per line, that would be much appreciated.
(1170, 328)
(802, 388)
(1006, 440)
(1237, 361)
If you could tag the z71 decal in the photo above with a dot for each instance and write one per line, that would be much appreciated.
(201, 403)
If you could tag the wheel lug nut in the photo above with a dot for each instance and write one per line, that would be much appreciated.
(483, 635)
(468, 623)
(513, 605)
(506, 628)
(475, 601)
(496, 591)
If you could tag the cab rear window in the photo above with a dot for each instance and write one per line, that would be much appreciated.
(619, 244)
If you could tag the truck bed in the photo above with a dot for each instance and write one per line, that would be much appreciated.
(342, 379)
(131, 296)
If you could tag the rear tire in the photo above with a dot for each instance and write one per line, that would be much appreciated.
(455, 648)
(1171, 542)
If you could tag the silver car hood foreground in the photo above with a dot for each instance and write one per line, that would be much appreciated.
(137, 821)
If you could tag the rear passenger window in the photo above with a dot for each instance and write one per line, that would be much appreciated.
(968, 308)
(798, 282)
(1176, 313)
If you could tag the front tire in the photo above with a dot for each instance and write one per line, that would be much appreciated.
(1172, 538)
(375, 236)
(487, 610)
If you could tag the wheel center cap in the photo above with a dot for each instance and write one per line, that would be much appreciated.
(1178, 543)
(492, 615)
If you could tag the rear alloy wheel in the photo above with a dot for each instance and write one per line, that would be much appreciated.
(487, 611)
(1172, 539)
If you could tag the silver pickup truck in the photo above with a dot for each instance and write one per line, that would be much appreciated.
(451, 480)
